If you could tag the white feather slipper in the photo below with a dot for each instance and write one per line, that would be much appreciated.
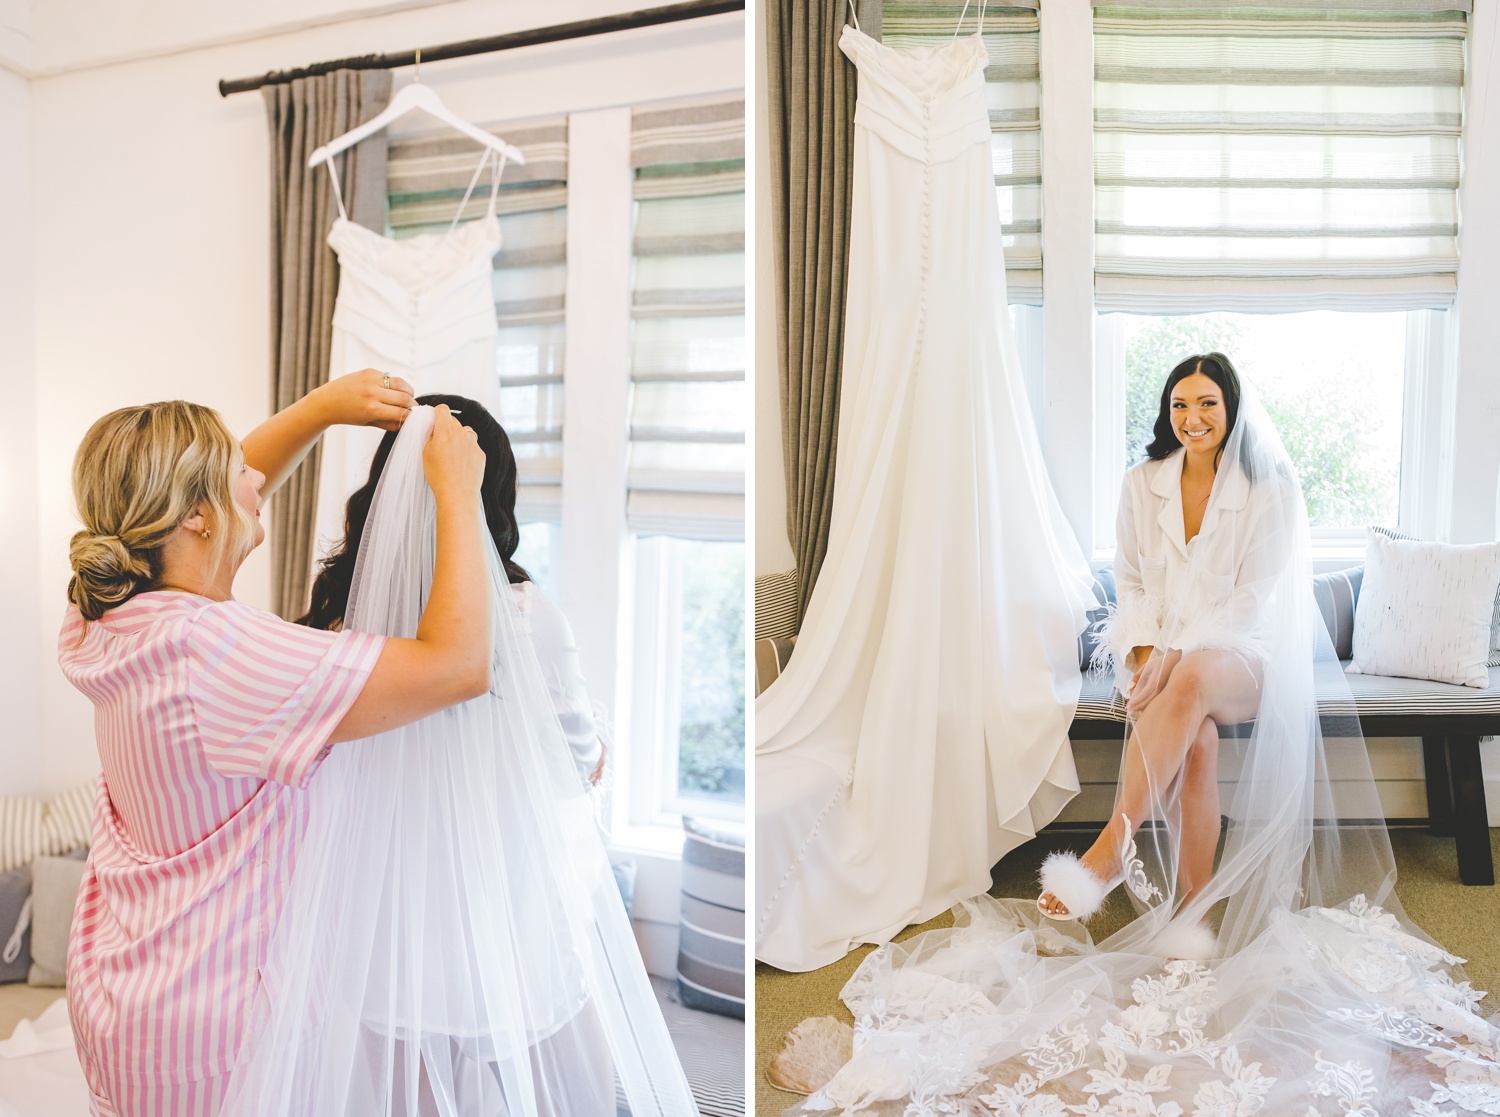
(1187, 939)
(1066, 878)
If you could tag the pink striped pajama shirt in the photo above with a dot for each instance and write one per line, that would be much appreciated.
(209, 718)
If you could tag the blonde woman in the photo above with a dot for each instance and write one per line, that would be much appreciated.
(210, 716)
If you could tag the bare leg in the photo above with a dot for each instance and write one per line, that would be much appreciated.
(1205, 684)
(1198, 808)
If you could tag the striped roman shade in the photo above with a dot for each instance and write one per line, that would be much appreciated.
(1277, 155)
(711, 954)
(686, 473)
(427, 177)
(1013, 90)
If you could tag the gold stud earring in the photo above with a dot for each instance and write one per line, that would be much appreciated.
(206, 532)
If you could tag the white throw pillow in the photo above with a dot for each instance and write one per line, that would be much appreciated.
(1494, 652)
(1425, 610)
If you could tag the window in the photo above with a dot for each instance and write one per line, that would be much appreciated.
(426, 179)
(1299, 161)
(1276, 155)
(1333, 383)
(686, 470)
(1013, 91)
(690, 678)
(540, 555)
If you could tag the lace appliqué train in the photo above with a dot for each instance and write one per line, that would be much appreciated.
(1335, 1012)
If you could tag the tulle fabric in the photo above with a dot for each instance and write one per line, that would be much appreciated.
(452, 942)
(1321, 996)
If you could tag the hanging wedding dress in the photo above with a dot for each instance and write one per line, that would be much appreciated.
(452, 942)
(422, 308)
(1319, 998)
(920, 730)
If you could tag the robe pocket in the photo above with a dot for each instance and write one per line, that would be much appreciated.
(1154, 575)
(1217, 589)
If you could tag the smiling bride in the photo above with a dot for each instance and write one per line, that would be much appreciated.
(1270, 967)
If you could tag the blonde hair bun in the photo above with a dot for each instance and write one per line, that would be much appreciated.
(105, 572)
(138, 474)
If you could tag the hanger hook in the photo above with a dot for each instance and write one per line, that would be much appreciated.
(417, 75)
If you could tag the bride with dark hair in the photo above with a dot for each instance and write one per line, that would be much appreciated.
(1270, 968)
(550, 632)
(452, 942)
(1211, 670)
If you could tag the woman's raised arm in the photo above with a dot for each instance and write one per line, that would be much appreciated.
(358, 399)
(449, 660)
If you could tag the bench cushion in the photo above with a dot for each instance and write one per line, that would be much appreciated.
(1374, 696)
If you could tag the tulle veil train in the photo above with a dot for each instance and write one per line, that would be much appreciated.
(452, 942)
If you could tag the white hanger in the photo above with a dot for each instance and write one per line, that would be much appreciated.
(415, 96)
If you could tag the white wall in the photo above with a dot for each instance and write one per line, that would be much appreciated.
(1476, 486)
(151, 212)
(20, 675)
(1475, 507)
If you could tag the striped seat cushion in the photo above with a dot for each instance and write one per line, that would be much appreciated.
(1374, 696)
(711, 953)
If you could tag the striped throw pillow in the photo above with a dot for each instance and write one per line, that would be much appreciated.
(21, 831)
(1336, 594)
(69, 822)
(711, 952)
(770, 660)
(776, 605)
(30, 828)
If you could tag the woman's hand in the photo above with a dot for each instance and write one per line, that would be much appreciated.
(452, 460)
(598, 771)
(361, 399)
(1149, 679)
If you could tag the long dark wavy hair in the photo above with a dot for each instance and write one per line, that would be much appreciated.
(330, 591)
(1220, 370)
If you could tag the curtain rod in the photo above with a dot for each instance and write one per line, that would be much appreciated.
(583, 28)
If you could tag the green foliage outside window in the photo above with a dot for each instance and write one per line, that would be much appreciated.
(711, 742)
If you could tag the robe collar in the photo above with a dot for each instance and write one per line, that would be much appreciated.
(1233, 493)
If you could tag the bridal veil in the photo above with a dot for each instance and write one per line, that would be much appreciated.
(452, 942)
(1321, 996)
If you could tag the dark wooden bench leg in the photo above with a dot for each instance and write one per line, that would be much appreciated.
(1471, 828)
(1439, 795)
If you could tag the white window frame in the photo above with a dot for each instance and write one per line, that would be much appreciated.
(653, 795)
(604, 563)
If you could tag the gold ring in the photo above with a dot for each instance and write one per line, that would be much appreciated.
(385, 381)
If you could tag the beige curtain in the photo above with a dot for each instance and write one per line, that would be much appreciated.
(811, 92)
(303, 115)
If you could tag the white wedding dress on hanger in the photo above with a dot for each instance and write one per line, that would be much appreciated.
(919, 732)
(422, 308)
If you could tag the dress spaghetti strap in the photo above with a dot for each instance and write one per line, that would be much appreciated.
(500, 162)
(338, 194)
(979, 28)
